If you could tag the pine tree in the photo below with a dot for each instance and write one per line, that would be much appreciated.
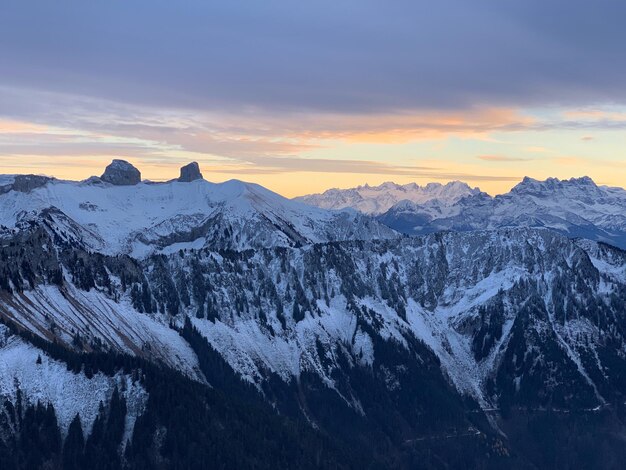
(74, 446)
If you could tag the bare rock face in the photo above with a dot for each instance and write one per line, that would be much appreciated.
(121, 173)
(26, 183)
(190, 173)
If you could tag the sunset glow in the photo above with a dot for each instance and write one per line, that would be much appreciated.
(286, 114)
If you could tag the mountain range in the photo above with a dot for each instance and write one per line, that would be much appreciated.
(144, 218)
(376, 200)
(188, 324)
(576, 207)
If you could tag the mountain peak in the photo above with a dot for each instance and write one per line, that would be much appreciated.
(457, 184)
(389, 185)
(190, 172)
(121, 173)
(529, 184)
(583, 181)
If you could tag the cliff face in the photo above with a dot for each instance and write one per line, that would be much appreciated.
(121, 173)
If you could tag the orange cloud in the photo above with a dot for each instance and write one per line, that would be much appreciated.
(18, 127)
(502, 158)
(401, 128)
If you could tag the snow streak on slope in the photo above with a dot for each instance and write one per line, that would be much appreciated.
(606, 260)
(67, 313)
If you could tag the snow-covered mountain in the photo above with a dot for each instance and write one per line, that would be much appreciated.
(120, 214)
(287, 300)
(378, 199)
(288, 311)
(450, 340)
(576, 207)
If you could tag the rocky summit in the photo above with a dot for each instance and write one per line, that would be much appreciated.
(121, 173)
(190, 172)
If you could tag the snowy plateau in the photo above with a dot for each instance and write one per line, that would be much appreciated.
(489, 308)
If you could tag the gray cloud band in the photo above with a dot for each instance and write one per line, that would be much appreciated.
(360, 56)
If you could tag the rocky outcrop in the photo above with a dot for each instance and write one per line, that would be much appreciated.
(121, 173)
(190, 173)
(24, 183)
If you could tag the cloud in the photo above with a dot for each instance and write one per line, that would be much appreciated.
(348, 57)
(269, 165)
(502, 158)
(587, 138)
(53, 123)
(57, 129)
(595, 115)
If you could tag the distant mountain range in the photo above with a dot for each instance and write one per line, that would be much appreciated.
(576, 207)
(376, 200)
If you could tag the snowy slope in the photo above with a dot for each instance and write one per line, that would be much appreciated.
(51, 382)
(464, 295)
(512, 304)
(378, 199)
(62, 313)
(145, 218)
(475, 299)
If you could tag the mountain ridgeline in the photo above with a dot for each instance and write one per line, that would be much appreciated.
(225, 326)
(576, 207)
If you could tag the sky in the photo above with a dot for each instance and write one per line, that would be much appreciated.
(304, 96)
